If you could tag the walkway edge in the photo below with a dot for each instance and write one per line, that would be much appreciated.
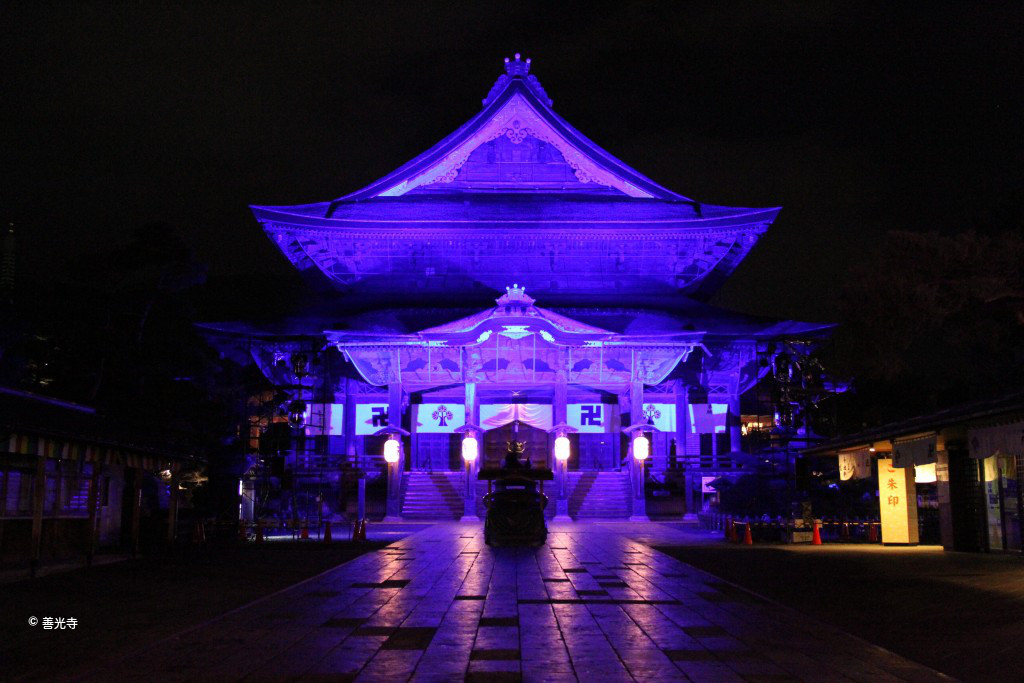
(809, 618)
(98, 669)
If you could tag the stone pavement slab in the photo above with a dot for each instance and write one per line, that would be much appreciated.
(440, 605)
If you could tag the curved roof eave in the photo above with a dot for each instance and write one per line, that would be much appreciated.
(515, 86)
(722, 219)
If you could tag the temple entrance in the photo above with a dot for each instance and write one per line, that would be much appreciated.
(496, 440)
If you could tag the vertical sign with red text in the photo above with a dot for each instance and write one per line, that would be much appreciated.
(897, 503)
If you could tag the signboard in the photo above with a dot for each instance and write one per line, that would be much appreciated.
(589, 418)
(439, 418)
(897, 503)
(705, 485)
(661, 415)
(370, 417)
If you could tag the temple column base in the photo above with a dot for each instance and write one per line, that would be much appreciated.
(690, 517)
(392, 519)
(470, 518)
(639, 518)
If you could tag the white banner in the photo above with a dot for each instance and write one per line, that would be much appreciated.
(439, 418)
(498, 414)
(589, 418)
(661, 415)
(855, 465)
(371, 417)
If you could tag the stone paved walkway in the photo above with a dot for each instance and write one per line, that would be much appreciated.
(595, 602)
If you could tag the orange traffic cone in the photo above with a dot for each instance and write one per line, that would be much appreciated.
(732, 531)
(305, 532)
(816, 538)
(747, 538)
(327, 532)
(872, 533)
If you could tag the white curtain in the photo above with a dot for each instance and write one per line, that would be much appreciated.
(855, 465)
(499, 414)
(1006, 439)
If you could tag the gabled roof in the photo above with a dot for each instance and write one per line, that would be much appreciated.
(516, 107)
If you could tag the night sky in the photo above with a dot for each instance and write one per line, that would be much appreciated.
(856, 117)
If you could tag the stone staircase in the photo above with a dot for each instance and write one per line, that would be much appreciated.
(432, 495)
(600, 495)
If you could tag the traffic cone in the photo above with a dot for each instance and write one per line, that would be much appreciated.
(747, 538)
(844, 531)
(872, 533)
(816, 538)
(327, 531)
(305, 532)
(732, 531)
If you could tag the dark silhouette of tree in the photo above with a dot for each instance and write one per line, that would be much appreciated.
(932, 320)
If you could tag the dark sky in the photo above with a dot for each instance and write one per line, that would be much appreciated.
(856, 117)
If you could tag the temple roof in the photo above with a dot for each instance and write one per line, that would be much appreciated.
(516, 108)
(555, 210)
(515, 182)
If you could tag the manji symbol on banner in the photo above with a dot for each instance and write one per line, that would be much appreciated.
(371, 417)
(439, 418)
(588, 418)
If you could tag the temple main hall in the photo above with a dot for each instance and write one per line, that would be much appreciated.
(513, 282)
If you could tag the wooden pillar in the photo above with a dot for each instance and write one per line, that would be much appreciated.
(682, 452)
(94, 497)
(636, 402)
(136, 509)
(561, 396)
(38, 501)
(472, 404)
(172, 507)
(733, 422)
(348, 427)
(395, 403)
(5, 473)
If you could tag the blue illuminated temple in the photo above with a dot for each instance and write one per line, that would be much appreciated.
(516, 279)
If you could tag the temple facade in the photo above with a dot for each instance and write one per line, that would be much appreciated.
(513, 281)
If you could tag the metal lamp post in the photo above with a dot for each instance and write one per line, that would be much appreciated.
(640, 448)
(393, 457)
(563, 451)
(471, 458)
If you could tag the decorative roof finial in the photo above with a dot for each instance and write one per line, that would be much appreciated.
(515, 295)
(517, 67)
